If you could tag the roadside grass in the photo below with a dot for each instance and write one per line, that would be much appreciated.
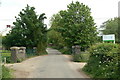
(30, 55)
(6, 73)
(54, 47)
(82, 57)
(5, 51)
(6, 54)
(65, 51)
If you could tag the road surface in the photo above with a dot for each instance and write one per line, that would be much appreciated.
(53, 65)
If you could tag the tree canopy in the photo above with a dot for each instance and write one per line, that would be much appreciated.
(55, 37)
(76, 25)
(29, 30)
(111, 27)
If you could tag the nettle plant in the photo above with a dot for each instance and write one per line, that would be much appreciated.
(103, 61)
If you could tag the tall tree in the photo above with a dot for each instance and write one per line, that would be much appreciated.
(55, 37)
(111, 27)
(77, 26)
(29, 30)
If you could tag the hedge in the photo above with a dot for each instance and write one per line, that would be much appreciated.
(103, 61)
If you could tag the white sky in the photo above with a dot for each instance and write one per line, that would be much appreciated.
(102, 10)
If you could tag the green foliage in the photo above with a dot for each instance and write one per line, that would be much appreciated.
(8, 59)
(65, 51)
(99, 39)
(6, 73)
(76, 25)
(111, 27)
(6, 54)
(30, 55)
(29, 30)
(103, 61)
(55, 37)
(82, 57)
(44, 53)
(54, 21)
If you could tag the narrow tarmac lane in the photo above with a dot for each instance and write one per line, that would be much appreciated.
(54, 66)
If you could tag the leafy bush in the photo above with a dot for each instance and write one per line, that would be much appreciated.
(7, 56)
(65, 51)
(6, 73)
(55, 47)
(44, 53)
(83, 57)
(30, 55)
(5, 51)
(8, 59)
(103, 61)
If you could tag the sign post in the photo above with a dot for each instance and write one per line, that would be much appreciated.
(109, 38)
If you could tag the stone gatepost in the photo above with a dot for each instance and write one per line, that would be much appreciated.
(73, 49)
(34, 49)
(21, 54)
(76, 49)
(17, 53)
(14, 52)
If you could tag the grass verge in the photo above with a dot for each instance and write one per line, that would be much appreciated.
(82, 57)
(6, 73)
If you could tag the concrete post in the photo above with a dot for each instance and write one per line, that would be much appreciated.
(14, 52)
(77, 49)
(17, 53)
(73, 49)
(22, 52)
